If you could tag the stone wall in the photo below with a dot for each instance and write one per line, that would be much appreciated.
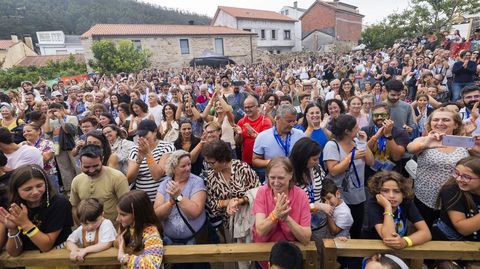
(166, 51)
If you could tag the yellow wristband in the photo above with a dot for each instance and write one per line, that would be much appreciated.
(389, 214)
(408, 240)
(34, 232)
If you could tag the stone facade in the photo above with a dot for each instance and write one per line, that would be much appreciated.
(166, 52)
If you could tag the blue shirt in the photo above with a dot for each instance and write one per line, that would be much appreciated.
(267, 146)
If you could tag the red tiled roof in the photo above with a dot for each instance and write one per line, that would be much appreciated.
(255, 14)
(159, 30)
(5, 44)
(42, 60)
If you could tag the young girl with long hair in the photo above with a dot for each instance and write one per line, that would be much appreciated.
(139, 232)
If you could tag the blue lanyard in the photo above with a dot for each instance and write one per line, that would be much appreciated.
(352, 164)
(381, 142)
(311, 194)
(400, 227)
(285, 146)
(467, 113)
(37, 143)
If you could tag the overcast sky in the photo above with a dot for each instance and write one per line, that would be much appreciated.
(374, 10)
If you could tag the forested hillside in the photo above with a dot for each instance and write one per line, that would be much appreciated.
(74, 17)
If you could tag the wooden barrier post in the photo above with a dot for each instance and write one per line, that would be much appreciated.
(434, 250)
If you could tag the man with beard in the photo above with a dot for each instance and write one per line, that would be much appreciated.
(237, 99)
(387, 142)
(97, 181)
(401, 113)
(470, 96)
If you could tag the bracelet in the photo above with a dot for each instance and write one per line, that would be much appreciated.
(13, 236)
(25, 232)
(273, 217)
(389, 213)
(34, 232)
(150, 160)
(408, 240)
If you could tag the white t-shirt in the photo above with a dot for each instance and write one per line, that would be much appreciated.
(330, 95)
(24, 155)
(107, 234)
(343, 219)
(156, 111)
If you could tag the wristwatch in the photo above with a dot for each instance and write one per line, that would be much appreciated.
(390, 137)
(179, 198)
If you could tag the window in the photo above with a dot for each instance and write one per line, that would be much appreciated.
(274, 34)
(286, 35)
(137, 44)
(247, 29)
(184, 49)
(262, 34)
(286, 12)
(219, 45)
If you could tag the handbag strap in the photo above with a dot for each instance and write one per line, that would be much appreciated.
(185, 220)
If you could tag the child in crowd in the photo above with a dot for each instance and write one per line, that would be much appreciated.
(384, 261)
(139, 232)
(341, 220)
(95, 233)
(460, 203)
(285, 255)
(389, 209)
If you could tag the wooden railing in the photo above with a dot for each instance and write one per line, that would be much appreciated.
(172, 254)
(435, 250)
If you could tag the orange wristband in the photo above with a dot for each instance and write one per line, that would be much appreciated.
(150, 160)
(221, 203)
(273, 217)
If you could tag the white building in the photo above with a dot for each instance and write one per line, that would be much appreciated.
(275, 31)
(57, 43)
(295, 12)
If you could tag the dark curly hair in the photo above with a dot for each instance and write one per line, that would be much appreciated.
(376, 181)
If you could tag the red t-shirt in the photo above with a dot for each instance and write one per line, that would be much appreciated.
(261, 124)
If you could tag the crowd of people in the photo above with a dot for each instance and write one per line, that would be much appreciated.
(369, 144)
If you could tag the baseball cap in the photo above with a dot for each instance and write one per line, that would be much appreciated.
(145, 126)
(56, 93)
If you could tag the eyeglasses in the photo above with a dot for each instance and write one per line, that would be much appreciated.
(248, 107)
(271, 100)
(464, 177)
(380, 115)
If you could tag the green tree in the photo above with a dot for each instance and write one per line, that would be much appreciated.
(380, 35)
(420, 18)
(12, 77)
(123, 57)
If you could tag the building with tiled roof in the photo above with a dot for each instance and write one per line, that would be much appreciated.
(13, 51)
(274, 30)
(340, 22)
(176, 45)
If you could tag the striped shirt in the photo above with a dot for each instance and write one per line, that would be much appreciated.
(144, 180)
(318, 177)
